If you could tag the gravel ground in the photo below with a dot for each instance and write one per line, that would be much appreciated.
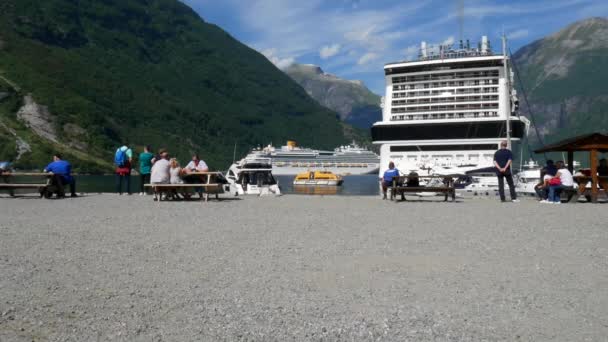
(298, 268)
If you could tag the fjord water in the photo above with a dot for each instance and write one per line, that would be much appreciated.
(354, 185)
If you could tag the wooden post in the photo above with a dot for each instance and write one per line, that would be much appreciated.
(571, 161)
(594, 180)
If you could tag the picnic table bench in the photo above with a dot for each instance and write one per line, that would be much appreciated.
(399, 186)
(41, 187)
(574, 193)
(206, 185)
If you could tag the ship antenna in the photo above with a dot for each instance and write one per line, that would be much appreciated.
(508, 86)
(460, 5)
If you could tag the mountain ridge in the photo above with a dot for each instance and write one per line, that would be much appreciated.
(355, 103)
(563, 77)
(143, 72)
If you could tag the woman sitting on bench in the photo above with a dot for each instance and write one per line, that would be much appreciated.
(563, 180)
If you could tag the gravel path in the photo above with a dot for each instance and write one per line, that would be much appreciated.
(300, 268)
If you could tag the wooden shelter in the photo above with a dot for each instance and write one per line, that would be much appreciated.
(593, 143)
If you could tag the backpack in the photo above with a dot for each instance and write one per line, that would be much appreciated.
(120, 158)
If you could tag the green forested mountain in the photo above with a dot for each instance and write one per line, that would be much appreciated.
(564, 76)
(356, 104)
(83, 76)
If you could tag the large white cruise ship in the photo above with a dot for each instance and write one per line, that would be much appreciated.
(449, 109)
(344, 160)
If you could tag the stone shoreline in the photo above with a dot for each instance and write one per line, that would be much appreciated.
(334, 268)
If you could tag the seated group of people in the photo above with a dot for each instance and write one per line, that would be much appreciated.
(167, 170)
(556, 178)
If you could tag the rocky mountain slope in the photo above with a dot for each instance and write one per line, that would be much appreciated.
(84, 76)
(356, 104)
(564, 76)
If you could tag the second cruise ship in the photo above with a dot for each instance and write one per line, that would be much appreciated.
(344, 160)
(448, 109)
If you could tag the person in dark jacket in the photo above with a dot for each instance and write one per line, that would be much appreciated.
(503, 159)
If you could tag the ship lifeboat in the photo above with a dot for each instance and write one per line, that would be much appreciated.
(318, 178)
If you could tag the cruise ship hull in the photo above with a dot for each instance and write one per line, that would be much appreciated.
(294, 170)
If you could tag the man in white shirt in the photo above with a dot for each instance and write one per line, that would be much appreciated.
(566, 180)
(196, 165)
(160, 170)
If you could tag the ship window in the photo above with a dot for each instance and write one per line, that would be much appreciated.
(422, 148)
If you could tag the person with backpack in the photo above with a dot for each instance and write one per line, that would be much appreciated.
(146, 159)
(122, 160)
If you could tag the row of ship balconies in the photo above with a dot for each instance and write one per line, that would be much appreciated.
(439, 116)
(445, 76)
(452, 99)
(443, 108)
(434, 85)
(457, 91)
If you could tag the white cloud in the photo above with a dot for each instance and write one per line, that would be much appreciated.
(518, 34)
(281, 63)
(371, 33)
(329, 51)
(448, 41)
(411, 51)
(366, 58)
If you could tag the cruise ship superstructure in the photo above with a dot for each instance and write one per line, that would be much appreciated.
(450, 108)
(344, 160)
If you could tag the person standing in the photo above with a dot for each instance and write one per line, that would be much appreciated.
(123, 159)
(503, 160)
(145, 168)
(62, 175)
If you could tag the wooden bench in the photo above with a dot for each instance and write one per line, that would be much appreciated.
(448, 188)
(210, 188)
(42, 188)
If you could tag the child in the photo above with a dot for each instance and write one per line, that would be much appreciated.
(175, 172)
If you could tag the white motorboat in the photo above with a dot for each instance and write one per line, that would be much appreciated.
(528, 178)
(252, 176)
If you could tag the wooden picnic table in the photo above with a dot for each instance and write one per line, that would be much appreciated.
(447, 188)
(582, 182)
(11, 187)
(216, 188)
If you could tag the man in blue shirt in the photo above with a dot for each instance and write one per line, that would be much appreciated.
(503, 159)
(62, 174)
(387, 178)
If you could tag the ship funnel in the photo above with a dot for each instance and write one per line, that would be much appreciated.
(484, 44)
(423, 49)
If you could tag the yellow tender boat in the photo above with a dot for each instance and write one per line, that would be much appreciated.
(317, 178)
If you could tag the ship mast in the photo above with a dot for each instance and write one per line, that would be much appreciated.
(508, 90)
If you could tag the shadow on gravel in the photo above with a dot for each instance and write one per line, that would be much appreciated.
(427, 201)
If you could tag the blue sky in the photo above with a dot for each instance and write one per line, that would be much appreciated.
(355, 38)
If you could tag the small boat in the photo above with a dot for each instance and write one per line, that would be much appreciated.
(317, 178)
(252, 176)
